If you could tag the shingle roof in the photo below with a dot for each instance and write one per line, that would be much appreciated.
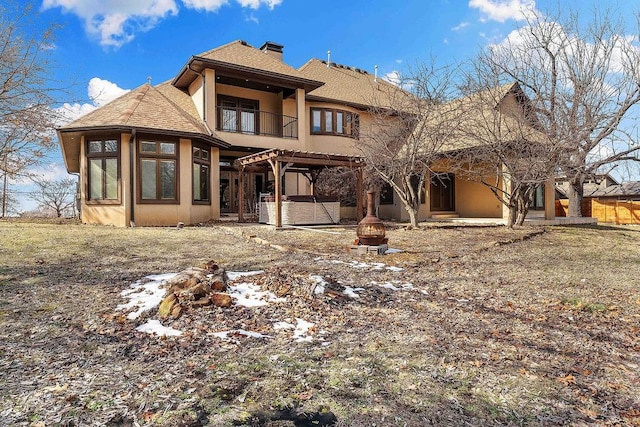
(241, 53)
(162, 108)
(240, 57)
(348, 85)
(490, 116)
(626, 189)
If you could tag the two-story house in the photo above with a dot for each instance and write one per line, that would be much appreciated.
(164, 154)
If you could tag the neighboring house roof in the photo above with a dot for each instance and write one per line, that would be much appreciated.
(626, 189)
(163, 109)
(593, 184)
(348, 85)
(238, 58)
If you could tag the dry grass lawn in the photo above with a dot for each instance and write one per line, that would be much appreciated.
(489, 326)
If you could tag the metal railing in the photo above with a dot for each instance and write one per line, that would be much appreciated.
(256, 122)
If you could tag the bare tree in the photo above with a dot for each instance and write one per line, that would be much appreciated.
(408, 129)
(26, 88)
(58, 197)
(582, 81)
(9, 203)
(498, 144)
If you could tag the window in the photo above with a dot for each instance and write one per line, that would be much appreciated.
(201, 168)
(103, 170)
(537, 202)
(386, 194)
(158, 171)
(238, 115)
(325, 121)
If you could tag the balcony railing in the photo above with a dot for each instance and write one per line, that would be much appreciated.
(256, 122)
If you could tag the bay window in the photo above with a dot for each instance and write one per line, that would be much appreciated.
(158, 177)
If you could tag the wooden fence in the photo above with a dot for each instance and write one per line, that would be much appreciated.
(562, 207)
(605, 210)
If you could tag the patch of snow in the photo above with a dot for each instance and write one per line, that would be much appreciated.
(145, 295)
(351, 292)
(278, 326)
(392, 251)
(234, 275)
(224, 335)
(395, 285)
(301, 333)
(320, 284)
(300, 329)
(363, 265)
(155, 327)
(250, 295)
(378, 265)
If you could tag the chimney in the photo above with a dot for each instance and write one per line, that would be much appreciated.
(273, 49)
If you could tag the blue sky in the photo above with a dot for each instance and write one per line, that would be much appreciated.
(105, 47)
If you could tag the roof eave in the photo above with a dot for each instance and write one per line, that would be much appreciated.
(294, 82)
(213, 140)
(356, 105)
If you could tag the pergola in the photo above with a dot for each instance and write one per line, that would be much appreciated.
(278, 161)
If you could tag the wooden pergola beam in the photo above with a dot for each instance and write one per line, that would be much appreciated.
(275, 158)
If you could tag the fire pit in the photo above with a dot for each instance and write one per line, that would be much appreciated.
(371, 232)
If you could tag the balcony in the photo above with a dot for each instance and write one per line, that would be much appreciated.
(249, 121)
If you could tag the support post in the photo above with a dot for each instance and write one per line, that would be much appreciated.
(278, 193)
(241, 194)
(359, 209)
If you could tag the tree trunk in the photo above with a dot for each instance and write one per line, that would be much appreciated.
(575, 195)
(413, 217)
(513, 211)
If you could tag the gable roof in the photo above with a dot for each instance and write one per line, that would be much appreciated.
(238, 58)
(163, 109)
(348, 85)
(489, 116)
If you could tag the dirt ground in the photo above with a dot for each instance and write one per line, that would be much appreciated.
(466, 326)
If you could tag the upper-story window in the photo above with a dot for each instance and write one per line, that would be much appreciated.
(328, 121)
(104, 171)
(238, 115)
(158, 171)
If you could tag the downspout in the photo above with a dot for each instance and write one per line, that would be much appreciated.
(132, 138)
(78, 195)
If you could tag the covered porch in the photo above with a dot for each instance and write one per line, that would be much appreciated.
(310, 164)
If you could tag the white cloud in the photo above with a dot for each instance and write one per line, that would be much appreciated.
(252, 18)
(100, 91)
(206, 5)
(214, 5)
(503, 10)
(255, 4)
(394, 77)
(49, 172)
(460, 26)
(115, 22)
